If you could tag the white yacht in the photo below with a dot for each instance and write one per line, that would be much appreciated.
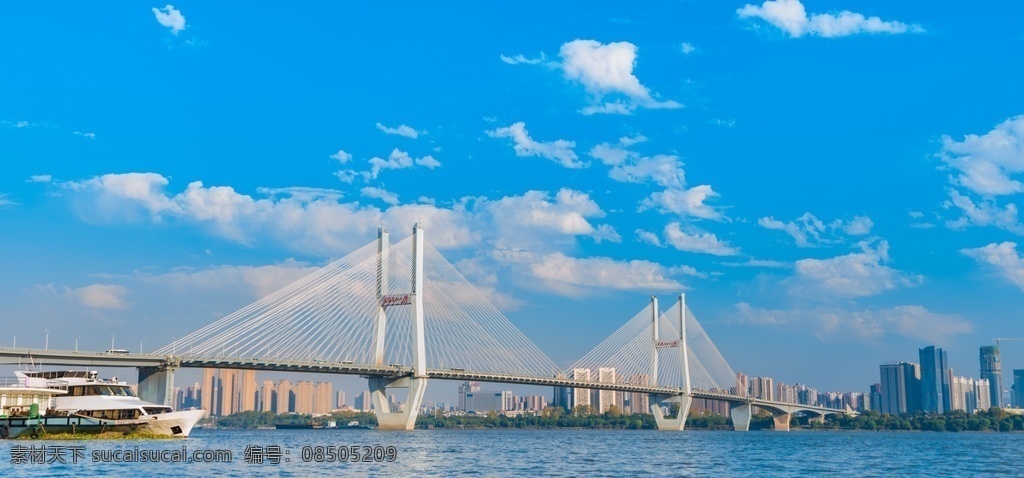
(86, 395)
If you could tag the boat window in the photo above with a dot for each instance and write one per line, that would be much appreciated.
(157, 410)
(122, 391)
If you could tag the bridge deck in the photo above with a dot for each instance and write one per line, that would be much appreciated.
(103, 359)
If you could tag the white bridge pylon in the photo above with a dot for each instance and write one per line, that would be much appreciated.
(668, 349)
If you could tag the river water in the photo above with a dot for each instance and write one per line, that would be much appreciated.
(536, 452)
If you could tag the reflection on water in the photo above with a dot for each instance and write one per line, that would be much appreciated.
(550, 452)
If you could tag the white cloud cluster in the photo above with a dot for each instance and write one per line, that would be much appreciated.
(99, 296)
(664, 170)
(859, 274)
(6, 203)
(986, 163)
(341, 156)
(40, 178)
(986, 167)
(912, 321)
(687, 48)
(402, 130)
(575, 276)
(379, 193)
(559, 151)
(790, 16)
(398, 159)
(608, 70)
(684, 202)
(527, 229)
(700, 242)
(809, 231)
(170, 18)
(1003, 258)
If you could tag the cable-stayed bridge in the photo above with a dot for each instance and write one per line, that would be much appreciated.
(401, 315)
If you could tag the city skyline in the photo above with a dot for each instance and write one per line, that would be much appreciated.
(845, 192)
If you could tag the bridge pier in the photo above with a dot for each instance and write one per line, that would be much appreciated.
(740, 414)
(781, 421)
(156, 384)
(676, 423)
(402, 420)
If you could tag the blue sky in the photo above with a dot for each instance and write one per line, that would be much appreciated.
(834, 185)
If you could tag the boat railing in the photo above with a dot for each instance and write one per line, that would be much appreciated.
(57, 384)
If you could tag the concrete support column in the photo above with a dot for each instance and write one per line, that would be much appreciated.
(817, 419)
(740, 414)
(405, 419)
(676, 423)
(156, 384)
(781, 421)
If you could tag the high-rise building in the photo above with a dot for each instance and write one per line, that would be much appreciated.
(209, 390)
(1018, 388)
(322, 398)
(340, 402)
(465, 388)
(267, 396)
(246, 390)
(962, 394)
(934, 380)
(606, 399)
(992, 371)
(580, 396)
(285, 397)
(304, 397)
(876, 397)
(763, 388)
(638, 402)
(981, 394)
(900, 388)
(485, 401)
(363, 402)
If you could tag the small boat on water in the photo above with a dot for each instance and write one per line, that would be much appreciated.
(80, 401)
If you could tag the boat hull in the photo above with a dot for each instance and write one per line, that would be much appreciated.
(176, 424)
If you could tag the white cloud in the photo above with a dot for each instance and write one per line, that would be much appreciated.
(616, 154)
(99, 296)
(341, 156)
(559, 150)
(519, 221)
(86, 135)
(859, 274)
(912, 321)
(573, 276)
(665, 170)
(399, 160)
(379, 193)
(984, 213)
(605, 70)
(648, 237)
(809, 231)
(705, 243)
(1003, 258)
(40, 178)
(684, 202)
(790, 16)
(687, 48)
(758, 263)
(859, 226)
(402, 130)
(915, 214)
(257, 281)
(316, 221)
(6, 203)
(170, 18)
(986, 162)
(520, 59)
